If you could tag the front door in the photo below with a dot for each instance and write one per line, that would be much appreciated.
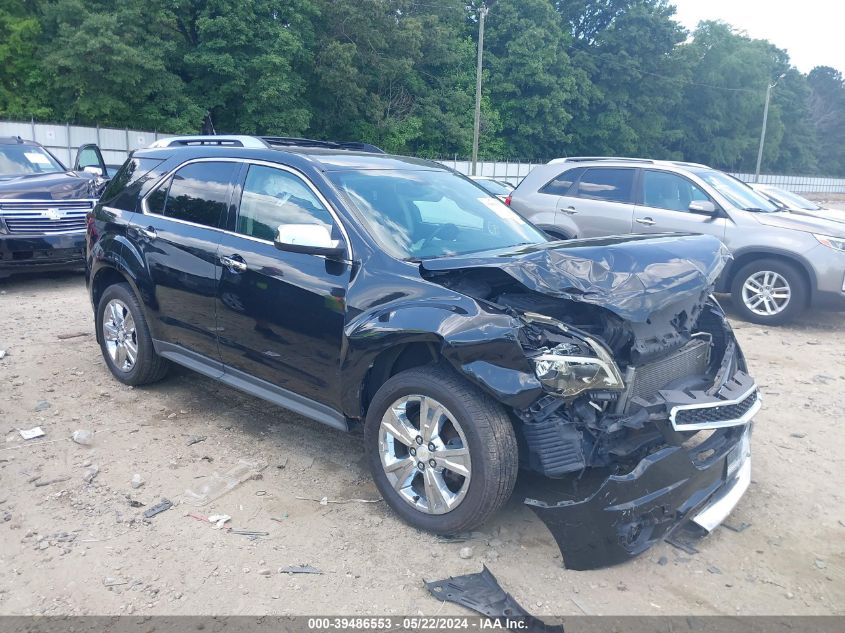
(664, 203)
(281, 314)
(178, 233)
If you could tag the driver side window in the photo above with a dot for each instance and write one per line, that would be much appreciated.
(663, 190)
(272, 197)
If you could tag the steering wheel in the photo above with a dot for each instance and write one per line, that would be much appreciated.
(444, 231)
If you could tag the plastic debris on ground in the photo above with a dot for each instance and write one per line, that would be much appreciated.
(219, 520)
(216, 485)
(163, 505)
(30, 434)
(482, 593)
(299, 569)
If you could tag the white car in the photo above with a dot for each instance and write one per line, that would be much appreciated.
(798, 204)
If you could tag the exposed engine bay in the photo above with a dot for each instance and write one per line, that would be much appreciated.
(641, 378)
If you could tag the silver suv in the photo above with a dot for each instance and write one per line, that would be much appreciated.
(783, 261)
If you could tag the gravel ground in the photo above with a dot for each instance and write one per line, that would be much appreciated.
(77, 546)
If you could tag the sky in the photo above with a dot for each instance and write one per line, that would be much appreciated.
(811, 31)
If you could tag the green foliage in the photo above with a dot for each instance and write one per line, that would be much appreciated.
(561, 77)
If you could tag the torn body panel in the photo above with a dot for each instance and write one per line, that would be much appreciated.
(610, 354)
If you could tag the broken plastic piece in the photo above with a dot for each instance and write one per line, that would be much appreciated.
(30, 434)
(164, 504)
(219, 520)
(216, 485)
(482, 593)
(299, 569)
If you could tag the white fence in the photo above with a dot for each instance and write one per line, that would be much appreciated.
(64, 140)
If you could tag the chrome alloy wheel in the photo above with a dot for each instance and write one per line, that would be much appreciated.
(119, 335)
(766, 293)
(425, 454)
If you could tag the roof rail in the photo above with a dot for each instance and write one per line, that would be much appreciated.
(290, 141)
(681, 163)
(590, 159)
(219, 141)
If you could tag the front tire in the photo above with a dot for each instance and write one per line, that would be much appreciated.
(769, 292)
(443, 453)
(125, 339)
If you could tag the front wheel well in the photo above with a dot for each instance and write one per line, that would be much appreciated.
(747, 258)
(392, 361)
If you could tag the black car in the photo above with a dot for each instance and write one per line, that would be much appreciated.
(392, 295)
(43, 206)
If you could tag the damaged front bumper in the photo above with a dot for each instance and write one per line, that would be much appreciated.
(628, 513)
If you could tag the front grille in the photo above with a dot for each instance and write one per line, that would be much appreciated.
(715, 415)
(690, 360)
(33, 217)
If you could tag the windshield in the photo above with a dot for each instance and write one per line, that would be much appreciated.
(491, 186)
(791, 200)
(416, 215)
(24, 160)
(735, 191)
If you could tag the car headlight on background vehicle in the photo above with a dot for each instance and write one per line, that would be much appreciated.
(568, 374)
(836, 243)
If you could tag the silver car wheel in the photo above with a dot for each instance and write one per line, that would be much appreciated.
(425, 454)
(766, 293)
(119, 335)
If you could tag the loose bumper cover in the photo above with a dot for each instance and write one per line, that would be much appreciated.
(672, 487)
(23, 253)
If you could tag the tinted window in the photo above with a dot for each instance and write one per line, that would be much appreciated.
(273, 197)
(561, 185)
(663, 190)
(122, 190)
(605, 183)
(196, 193)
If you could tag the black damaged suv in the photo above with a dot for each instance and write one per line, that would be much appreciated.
(43, 206)
(391, 294)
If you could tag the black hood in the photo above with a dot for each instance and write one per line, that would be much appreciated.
(632, 276)
(66, 185)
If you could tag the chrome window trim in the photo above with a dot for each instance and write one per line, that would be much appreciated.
(248, 161)
(720, 424)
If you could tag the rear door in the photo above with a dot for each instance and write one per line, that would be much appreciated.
(602, 201)
(178, 234)
(280, 313)
(663, 206)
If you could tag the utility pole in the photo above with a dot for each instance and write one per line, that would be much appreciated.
(763, 131)
(482, 13)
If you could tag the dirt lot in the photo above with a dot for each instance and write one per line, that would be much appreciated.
(72, 547)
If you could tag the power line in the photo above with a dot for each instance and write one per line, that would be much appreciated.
(695, 83)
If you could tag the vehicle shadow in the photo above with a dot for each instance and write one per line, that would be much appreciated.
(33, 280)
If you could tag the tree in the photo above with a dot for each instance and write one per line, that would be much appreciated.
(827, 113)
(531, 80)
(107, 63)
(20, 31)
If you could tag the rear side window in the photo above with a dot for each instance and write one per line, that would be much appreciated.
(273, 197)
(122, 190)
(197, 193)
(607, 183)
(561, 184)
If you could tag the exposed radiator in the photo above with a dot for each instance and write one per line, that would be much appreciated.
(692, 359)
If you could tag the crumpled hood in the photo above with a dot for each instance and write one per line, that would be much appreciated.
(69, 185)
(802, 222)
(632, 276)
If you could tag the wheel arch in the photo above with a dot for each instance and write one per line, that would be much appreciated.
(743, 258)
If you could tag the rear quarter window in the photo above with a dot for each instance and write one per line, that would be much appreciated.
(122, 190)
(561, 184)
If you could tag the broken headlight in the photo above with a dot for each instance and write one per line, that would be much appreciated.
(570, 369)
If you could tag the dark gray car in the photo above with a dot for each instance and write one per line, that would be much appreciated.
(783, 261)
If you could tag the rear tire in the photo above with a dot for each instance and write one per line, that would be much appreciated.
(125, 339)
(471, 420)
(769, 292)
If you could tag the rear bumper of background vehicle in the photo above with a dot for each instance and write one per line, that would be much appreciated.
(28, 253)
(628, 513)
